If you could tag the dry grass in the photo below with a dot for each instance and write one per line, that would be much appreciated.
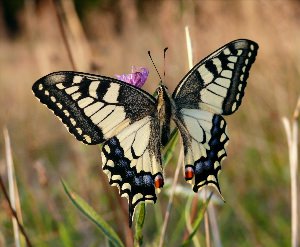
(255, 178)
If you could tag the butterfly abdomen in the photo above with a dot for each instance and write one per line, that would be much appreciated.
(164, 113)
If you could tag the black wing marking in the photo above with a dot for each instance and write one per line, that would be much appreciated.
(132, 162)
(217, 83)
(204, 139)
(93, 108)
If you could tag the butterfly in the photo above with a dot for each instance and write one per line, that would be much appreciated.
(133, 125)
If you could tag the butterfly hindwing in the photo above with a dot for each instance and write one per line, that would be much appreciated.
(217, 83)
(93, 108)
(132, 162)
(204, 139)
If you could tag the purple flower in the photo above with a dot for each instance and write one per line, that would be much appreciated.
(137, 77)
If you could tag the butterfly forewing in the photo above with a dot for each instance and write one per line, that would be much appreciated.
(93, 108)
(217, 83)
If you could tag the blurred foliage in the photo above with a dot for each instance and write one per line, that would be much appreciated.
(11, 9)
(83, 7)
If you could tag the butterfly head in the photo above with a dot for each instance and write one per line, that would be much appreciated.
(162, 89)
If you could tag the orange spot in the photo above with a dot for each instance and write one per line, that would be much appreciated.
(189, 173)
(158, 181)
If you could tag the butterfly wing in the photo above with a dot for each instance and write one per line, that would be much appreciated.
(132, 162)
(217, 83)
(204, 139)
(93, 108)
(97, 109)
(214, 87)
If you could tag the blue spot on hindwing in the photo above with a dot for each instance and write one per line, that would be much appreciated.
(123, 163)
(148, 180)
(215, 144)
(129, 174)
(113, 141)
(137, 181)
(119, 152)
(140, 182)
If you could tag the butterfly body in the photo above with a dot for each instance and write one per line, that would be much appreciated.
(166, 110)
(133, 125)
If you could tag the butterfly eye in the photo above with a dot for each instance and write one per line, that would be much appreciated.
(159, 90)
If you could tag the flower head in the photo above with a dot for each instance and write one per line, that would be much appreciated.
(137, 77)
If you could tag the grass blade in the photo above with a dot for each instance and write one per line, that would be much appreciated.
(139, 223)
(11, 184)
(214, 225)
(169, 149)
(291, 129)
(197, 223)
(188, 219)
(170, 202)
(90, 213)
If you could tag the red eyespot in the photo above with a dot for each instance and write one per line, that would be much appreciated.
(158, 181)
(189, 172)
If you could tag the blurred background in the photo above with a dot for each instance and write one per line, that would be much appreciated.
(107, 38)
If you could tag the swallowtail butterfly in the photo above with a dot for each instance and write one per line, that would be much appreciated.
(133, 125)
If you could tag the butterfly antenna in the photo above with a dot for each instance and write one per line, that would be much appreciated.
(165, 51)
(154, 66)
